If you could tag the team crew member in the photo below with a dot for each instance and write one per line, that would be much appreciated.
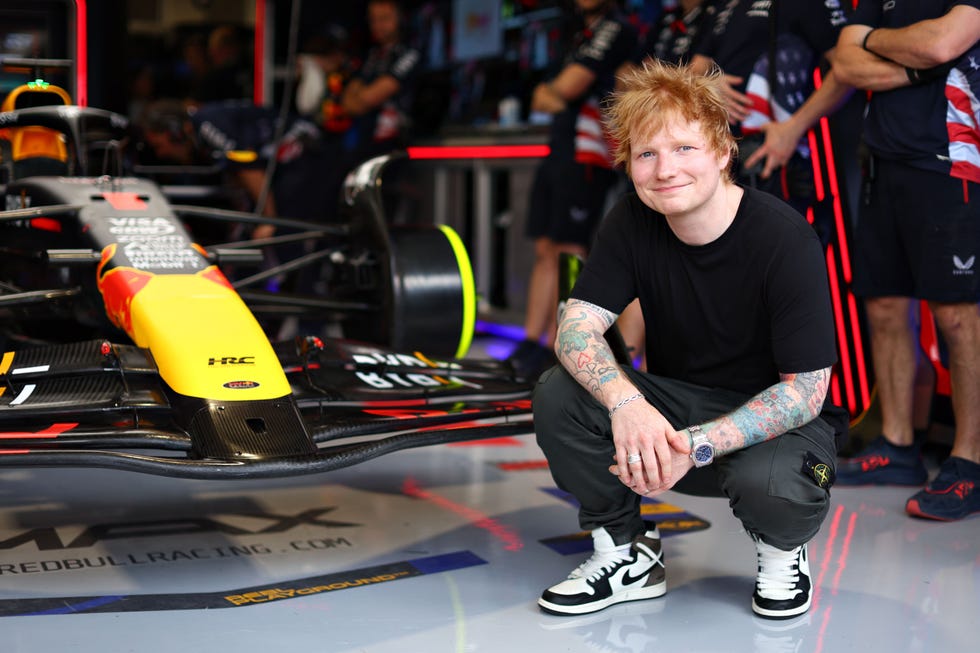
(672, 38)
(240, 138)
(918, 236)
(740, 342)
(572, 183)
(381, 93)
(740, 37)
(324, 68)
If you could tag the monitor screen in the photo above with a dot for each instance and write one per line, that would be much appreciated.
(477, 32)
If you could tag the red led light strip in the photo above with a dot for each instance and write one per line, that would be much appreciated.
(81, 53)
(835, 193)
(845, 261)
(840, 284)
(862, 368)
(258, 82)
(845, 356)
(478, 151)
(819, 192)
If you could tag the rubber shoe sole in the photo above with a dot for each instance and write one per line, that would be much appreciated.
(788, 613)
(641, 594)
(641, 576)
(954, 494)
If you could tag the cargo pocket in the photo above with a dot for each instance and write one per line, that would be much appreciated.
(803, 465)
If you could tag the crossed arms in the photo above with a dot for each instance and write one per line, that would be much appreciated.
(879, 63)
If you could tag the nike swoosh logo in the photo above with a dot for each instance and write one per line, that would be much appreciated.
(629, 580)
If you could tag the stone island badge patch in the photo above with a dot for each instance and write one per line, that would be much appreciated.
(822, 473)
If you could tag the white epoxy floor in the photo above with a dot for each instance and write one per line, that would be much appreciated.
(443, 549)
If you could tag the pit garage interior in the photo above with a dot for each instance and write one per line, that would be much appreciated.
(444, 547)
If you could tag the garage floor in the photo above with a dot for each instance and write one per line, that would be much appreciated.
(441, 549)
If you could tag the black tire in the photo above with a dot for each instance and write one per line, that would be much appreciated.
(426, 295)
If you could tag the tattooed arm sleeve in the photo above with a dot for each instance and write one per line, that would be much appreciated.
(792, 402)
(582, 349)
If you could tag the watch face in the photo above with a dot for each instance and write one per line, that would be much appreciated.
(703, 454)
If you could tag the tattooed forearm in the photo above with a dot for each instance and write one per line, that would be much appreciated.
(792, 402)
(582, 348)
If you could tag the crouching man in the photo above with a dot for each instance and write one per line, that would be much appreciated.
(739, 341)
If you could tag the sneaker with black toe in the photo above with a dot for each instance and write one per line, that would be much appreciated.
(883, 463)
(953, 494)
(782, 586)
(612, 575)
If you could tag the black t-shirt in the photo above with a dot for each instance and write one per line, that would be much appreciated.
(734, 313)
(672, 38)
(392, 119)
(238, 135)
(602, 49)
(737, 33)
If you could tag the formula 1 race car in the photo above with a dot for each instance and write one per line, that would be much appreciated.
(127, 345)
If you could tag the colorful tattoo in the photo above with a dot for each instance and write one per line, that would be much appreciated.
(792, 402)
(582, 346)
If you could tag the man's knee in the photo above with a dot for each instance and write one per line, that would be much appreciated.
(782, 522)
(560, 405)
(956, 319)
(555, 387)
(775, 495)
(889, 313)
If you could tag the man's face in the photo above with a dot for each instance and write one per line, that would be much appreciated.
(674, 170)
(383, 22)
(589, 7)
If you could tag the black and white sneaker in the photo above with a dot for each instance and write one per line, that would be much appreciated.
(782, 587)
(610, 576)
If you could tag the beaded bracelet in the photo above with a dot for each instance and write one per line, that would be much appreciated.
(623, 402)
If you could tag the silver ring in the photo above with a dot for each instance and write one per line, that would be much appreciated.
(633, 458)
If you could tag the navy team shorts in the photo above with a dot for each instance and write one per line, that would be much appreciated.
(918, 235)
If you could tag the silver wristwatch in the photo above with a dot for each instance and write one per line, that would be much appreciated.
(702, 451)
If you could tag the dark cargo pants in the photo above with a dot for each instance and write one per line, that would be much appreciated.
(768, 486)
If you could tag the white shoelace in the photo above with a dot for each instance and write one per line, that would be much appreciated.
(778, 572)
(599, 562)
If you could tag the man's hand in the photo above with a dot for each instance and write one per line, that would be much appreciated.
(783, 137)
(778, 148)
(545, 99)
(738, 103)
(640, 429)
(263, 231)
(572, 83)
